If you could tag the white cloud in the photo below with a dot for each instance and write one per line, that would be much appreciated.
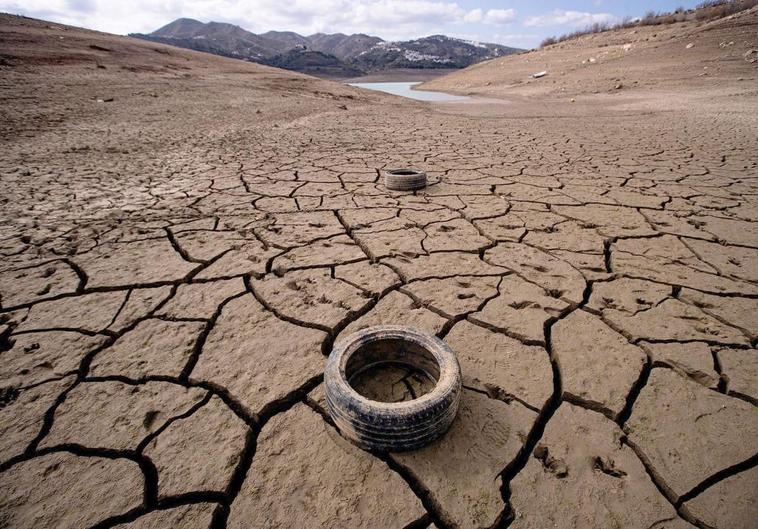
(391, 19)
(496, 17)
(560, 17)
(475, 15)
(518, 40)
(499, 16)
(379, 13)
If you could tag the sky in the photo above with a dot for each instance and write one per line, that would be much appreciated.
(518, 23)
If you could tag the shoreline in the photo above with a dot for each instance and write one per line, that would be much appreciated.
(409, 75)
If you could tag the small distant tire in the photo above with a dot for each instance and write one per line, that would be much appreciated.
(404, 179)
(392, 426)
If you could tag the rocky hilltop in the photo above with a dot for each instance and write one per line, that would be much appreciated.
(327, 55)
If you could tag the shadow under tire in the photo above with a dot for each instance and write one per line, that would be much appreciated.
(392, 426)
(404, 179)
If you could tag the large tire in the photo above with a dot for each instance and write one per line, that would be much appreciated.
(404, 179)
(392, 426)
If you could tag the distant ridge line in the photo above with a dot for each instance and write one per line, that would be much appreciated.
(327, 55)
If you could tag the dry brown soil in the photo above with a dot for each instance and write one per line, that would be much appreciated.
(184, 237)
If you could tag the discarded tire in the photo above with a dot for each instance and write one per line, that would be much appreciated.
(404, 179)
(392, 426)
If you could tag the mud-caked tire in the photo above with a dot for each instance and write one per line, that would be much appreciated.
(404, 179)
(392, 426)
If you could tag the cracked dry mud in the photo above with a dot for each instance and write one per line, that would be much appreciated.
(178, 262)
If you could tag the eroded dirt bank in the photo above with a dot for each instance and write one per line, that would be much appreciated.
(178, 260)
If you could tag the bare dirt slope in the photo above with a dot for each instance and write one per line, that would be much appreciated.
(184, 237)
(683, 60)
(92, 66)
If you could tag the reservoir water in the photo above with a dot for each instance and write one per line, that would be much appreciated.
(404, 89)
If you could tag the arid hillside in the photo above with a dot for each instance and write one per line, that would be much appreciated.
(54, 75)
(685, 58)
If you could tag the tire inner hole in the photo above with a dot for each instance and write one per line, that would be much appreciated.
(404, 172)
(392, 370)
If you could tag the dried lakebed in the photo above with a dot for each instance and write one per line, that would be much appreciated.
(178, 262)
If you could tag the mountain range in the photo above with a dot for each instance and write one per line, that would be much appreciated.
(325, 55)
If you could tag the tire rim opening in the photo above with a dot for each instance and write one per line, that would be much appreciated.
(404, 172)
(392, 370)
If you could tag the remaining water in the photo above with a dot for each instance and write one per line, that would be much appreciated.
(404, 90)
